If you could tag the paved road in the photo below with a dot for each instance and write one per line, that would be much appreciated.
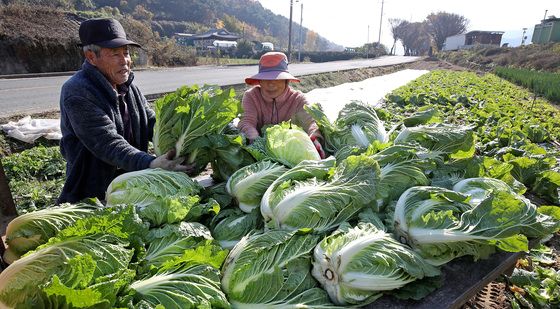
(37, 94)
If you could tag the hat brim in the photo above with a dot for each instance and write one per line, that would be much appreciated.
(114, 43)
(272, 75)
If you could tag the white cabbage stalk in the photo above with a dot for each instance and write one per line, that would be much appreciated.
(355, 265)
(160, 196)
(359, 135)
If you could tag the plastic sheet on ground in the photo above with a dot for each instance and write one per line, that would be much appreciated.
(29, 130)
(370, 91)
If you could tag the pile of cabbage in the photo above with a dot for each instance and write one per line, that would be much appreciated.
(379, 216)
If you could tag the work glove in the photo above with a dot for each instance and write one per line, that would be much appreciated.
(170, 163)
(317, 145)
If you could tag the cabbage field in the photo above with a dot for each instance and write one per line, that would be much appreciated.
(451, 165)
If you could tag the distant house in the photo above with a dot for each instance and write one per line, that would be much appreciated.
(206, 39)
(547, 31)
(472, 39)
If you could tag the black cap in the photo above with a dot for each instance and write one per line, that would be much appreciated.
(104, 32)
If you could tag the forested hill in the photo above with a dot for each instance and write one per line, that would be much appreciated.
(247, 18)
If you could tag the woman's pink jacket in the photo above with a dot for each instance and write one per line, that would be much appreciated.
(259, 110)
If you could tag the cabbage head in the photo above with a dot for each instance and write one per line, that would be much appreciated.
(289, 144)
(299, 199)
(441, 225)
(357, 124)
(455, 142)
(272, 270)
(195, 286)
(172, 240)
(189, 113)
(84, 266)
(230, 225)
(159, 196)
(26, 232)
(355, 265)
(249, 183)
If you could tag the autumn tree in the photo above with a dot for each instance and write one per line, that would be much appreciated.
(310, 41)
(443, 25)
(233, 24)
(414, 38)
(395, 23)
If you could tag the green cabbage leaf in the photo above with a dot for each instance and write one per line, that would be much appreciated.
(189, 113)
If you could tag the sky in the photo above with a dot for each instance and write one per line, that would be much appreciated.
(353, 23)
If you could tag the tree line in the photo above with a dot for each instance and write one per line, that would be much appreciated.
(421, 38)
(247, 18)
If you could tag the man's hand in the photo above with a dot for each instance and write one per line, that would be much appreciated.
(318, 146)
(168, 162)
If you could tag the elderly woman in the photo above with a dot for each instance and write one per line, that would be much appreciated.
(272, 101)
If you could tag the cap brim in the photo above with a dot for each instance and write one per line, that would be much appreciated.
(272, 75)
(114, 43)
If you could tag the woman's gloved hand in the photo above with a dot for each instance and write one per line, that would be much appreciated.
(318, 146)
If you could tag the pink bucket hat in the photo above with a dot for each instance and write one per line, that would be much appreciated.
(272, 66)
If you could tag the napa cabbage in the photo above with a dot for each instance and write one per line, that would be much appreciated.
(230, 225)
(249, 183)
(322, 201)
(424, 115)
(172, 240)
(285, 143)
(357, 124)
(401, 168)
(189, 113)
(272, 270)
(452, 141)
(355, 265)
(160, 196)
(87, 272)
(441, 224)
(195, 286)
(26, 232)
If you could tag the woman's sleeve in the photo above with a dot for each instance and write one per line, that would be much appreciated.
(306, 121)
(249, 119)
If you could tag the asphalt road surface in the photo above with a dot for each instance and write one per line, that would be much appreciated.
(25, 96)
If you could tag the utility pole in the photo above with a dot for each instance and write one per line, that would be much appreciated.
(367, 42)
(380, 22)
(300, 31)
(290, 31)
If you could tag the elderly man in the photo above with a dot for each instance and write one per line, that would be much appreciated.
(105, 120)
